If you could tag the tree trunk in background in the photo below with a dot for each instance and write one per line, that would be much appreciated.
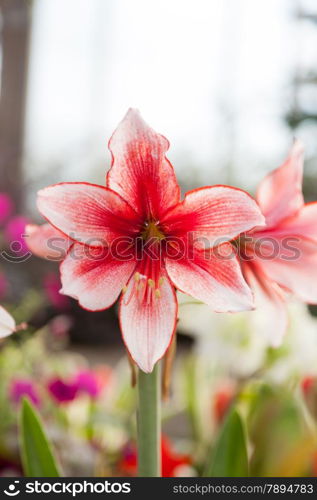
(16, 21)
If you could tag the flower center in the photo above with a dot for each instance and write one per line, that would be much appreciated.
(151, 230)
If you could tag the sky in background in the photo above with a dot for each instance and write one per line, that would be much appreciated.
(212, 75)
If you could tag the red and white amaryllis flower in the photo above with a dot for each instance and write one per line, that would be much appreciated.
(136, 235)
(282, 256)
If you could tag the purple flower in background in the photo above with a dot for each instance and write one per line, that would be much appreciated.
(6, 207)
(52, 286)
(89, 383)
(20, 388)
(14, 231)
(62, 392)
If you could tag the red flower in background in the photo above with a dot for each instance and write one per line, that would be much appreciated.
(283, 255)
(222, 401)
(136, 235)
(172, 462)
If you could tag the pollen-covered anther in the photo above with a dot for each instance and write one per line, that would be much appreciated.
(151, 283)
(157, 293)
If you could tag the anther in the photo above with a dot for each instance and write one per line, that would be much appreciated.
(151, 283)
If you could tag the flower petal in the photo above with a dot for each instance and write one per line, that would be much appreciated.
(295, 268)
(7, 323)
(212, 215)
(280, 193)
(214, 277)
(94, 277)
(304, 223)
(47, 242)
(87, 213)
(270, 316)
(148, 321)
(140, 172)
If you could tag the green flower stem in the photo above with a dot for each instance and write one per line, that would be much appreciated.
(149, 423)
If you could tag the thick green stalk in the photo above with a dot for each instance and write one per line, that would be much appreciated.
(149, 423)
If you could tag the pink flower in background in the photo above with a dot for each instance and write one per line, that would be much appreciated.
(52, 286)
(63, 391)
(14, 232)
(283, 255)
(20, 388)
(141, 208)
(88, 383)
(92, 382)
(6, 207)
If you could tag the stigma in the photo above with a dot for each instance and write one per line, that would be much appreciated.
(151, 229)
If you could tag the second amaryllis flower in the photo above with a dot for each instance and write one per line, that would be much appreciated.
(282, 256)
(136, 235)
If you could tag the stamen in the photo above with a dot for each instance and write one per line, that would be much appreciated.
(151, 283)
(157, 293)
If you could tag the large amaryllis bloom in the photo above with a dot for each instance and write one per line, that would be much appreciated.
(136, 235)
(282, 256)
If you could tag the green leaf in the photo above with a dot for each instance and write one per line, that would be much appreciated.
(229, 457)
(36, 452)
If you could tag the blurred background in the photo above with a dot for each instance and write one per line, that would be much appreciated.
(228, 82)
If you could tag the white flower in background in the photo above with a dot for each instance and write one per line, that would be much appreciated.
(237, 344)
(299, 349)
(7, 323)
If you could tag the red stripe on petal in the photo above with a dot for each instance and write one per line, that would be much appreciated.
(213, 277)
(295, 266)
(148, 313)
(140, 172)
(212, 215)
(88, 213)
(280, 193)
(94, 277)
(302, 224)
